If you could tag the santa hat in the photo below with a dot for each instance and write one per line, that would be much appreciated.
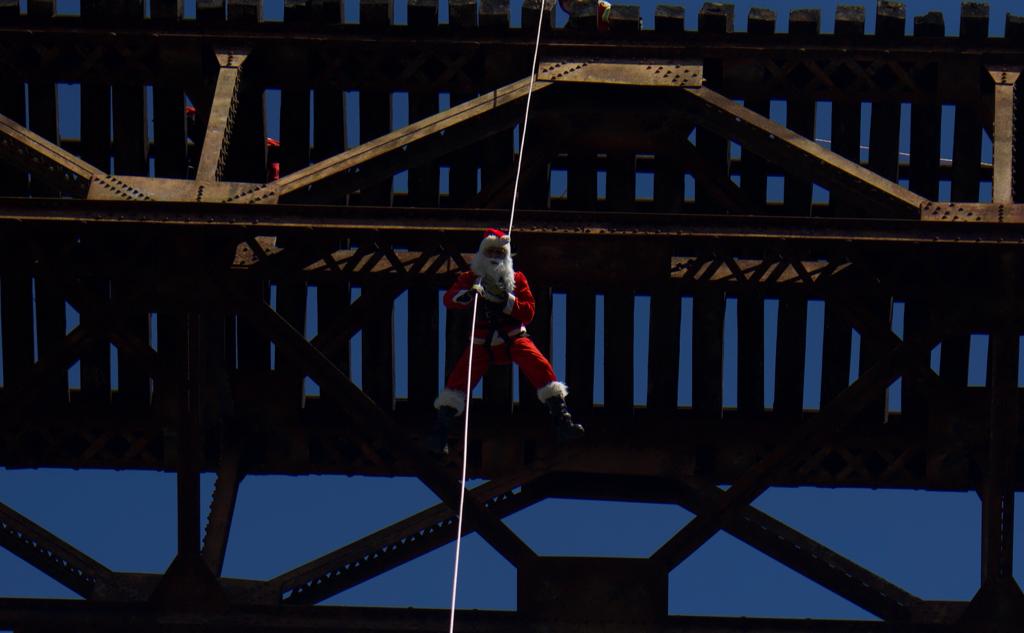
(495, 238)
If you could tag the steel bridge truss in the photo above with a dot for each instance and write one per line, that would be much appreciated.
(203, 238)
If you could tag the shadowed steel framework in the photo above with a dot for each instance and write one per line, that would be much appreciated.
(184, 222)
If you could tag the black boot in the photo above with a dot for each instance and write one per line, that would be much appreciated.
(565, 428)
(437, 439)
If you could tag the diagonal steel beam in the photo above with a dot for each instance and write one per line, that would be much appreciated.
(54, 165)
(14, 398)
(400, 542)
(838, 412)
(114, 324)
(352, 319)
(783, 146)
(766, 534)
(369, 420)
(901, 358)
(222, 509)
(393, 145)
(804, 555)
(222, 115)
(52, 556)
(918, 370)
(721, 188)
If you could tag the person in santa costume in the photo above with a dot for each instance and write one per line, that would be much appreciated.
(505, 307)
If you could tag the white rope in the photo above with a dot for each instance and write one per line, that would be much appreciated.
(465, 454)
(526, 117)
(472, 327)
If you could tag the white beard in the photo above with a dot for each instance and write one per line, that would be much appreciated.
(497, 270)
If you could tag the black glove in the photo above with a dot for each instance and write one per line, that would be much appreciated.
(493, 292)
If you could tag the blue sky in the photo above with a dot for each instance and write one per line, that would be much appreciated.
(926, 542)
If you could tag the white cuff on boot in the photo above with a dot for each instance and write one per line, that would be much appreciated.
(453, 399)
(553, 389)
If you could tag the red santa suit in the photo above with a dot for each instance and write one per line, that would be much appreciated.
(500, 337)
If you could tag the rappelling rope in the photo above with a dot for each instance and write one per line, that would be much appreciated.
(472, 327)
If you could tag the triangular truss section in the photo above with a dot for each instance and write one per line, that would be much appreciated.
(428, 139)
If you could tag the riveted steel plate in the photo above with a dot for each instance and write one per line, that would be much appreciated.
(685, 74)
(172, 190)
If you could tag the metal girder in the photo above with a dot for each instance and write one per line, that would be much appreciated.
(13, 399)
(833, 416)
(441, 57)
(91, 617)
(380, 262)
(785, 147)
(188, 582)
(399, 543)
(901, 456)
(762, 532)
(396, 142)
(665, 73)
(44, 160)
(222, 508)
(52, 556)
(721, 188)
(369, 420)
(805, 556)
(1005, 79)
(702, 527)
(997, 489)
(112, 318)
(144, 188)
(296, 218)
(351, 320)
(222, 115)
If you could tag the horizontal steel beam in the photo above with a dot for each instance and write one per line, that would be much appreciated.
(466, 224)
(898, 455)
(33, 614)
(272, 42)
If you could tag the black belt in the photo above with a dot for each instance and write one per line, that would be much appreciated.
(506, 338)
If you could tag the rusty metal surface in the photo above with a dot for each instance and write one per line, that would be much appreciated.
(61, 169)
(221, 118)
(650, 73)
(117, 188)
(465, 223)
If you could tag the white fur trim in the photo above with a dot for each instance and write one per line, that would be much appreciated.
(451, 398)
(493, 240)
(511, 303)
(552, 389)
